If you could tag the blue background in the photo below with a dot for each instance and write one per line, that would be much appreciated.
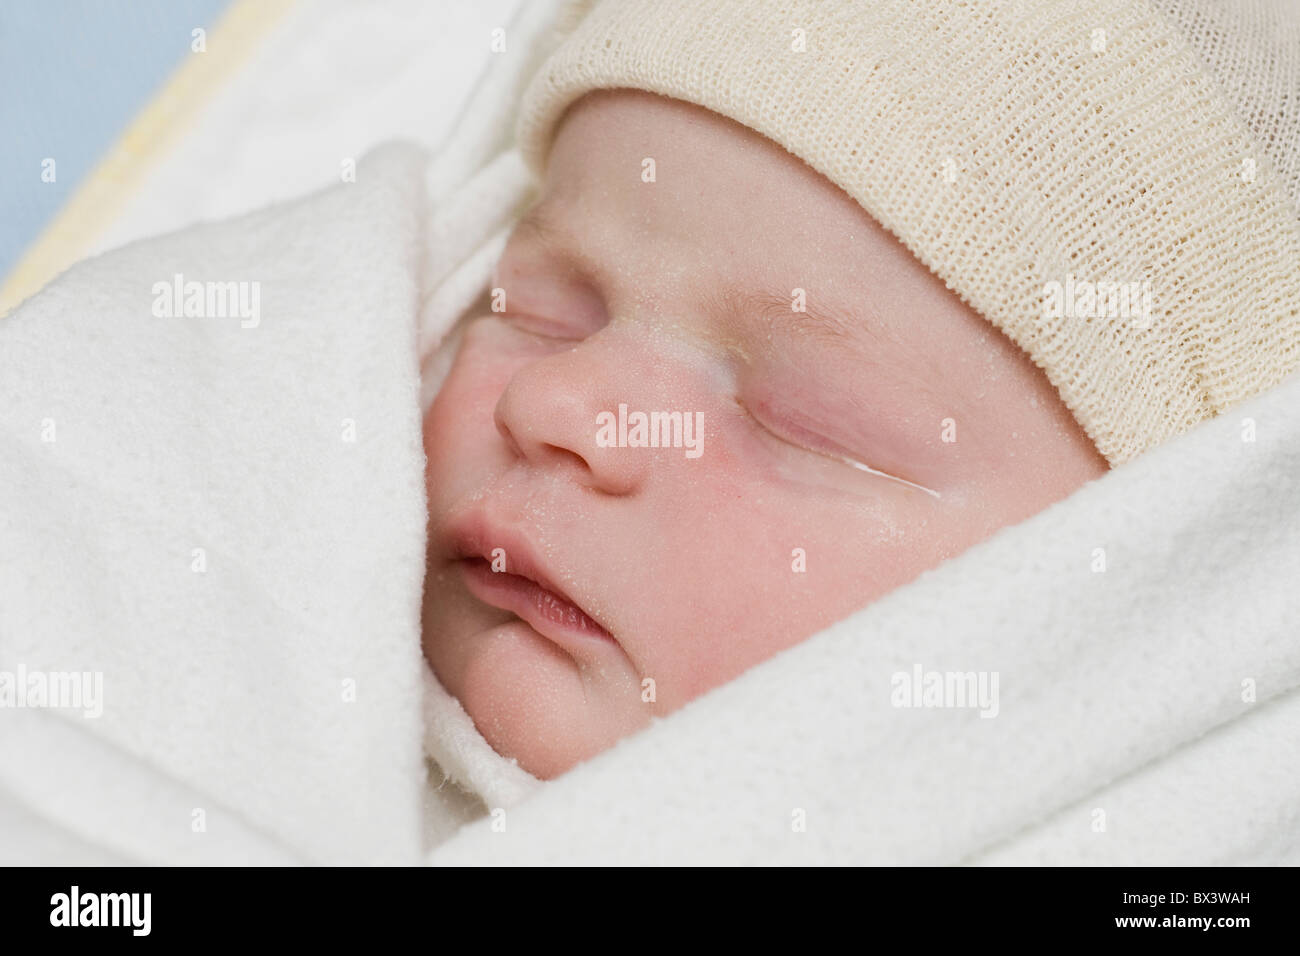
(73, 74)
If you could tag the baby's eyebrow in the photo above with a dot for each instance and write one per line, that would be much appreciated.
(857, 335)
(823, 321)
(775, 312)
(544, 226)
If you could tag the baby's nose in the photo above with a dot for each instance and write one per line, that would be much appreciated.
(550, 413)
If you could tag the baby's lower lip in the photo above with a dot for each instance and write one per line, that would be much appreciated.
(546, 612)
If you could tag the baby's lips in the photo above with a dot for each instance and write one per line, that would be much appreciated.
(550, 614)
(500, 552)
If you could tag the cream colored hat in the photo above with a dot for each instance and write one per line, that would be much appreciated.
(1114, 184)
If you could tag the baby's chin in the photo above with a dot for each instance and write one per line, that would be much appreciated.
(529, 699)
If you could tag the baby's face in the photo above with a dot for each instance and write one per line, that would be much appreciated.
(841, 450)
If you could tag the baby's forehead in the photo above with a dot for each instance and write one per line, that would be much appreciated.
(677, 160)
(742, 232)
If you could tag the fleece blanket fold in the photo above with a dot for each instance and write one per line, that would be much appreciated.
(223, 516)
(212, 502)
(220, 518)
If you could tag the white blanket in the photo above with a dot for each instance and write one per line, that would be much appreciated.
(227, 523)
(225, 519)
(221, 520)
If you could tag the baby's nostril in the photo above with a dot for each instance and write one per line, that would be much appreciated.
(569, 453)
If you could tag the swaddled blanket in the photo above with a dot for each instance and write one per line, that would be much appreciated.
(220, 511)
(213, 499)
(227, 524)
(212, 519)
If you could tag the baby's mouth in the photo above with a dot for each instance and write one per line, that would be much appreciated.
(548, 612)
(514, 580)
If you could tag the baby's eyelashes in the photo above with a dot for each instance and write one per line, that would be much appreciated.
(819, 458)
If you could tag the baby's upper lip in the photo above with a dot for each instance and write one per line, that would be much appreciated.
(475, 535)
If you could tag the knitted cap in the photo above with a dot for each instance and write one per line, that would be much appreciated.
(1112, 183)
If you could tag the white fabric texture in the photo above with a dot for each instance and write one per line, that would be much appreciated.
(328, 82)
(181, 510)
(230, 439)
(1121, 690)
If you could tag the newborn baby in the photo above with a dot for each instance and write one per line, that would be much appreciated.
(857, 425)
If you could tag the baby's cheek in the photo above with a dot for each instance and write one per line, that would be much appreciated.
(460, 423)
(453, 426)
(764, 563)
